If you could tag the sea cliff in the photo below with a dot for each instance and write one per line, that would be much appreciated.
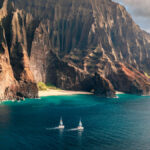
(16, 79)
(92, 46)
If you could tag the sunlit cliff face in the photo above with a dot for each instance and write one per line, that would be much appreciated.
(15, 75)
(74, 38)
(75, 45)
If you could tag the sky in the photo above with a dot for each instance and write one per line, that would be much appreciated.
(139, 10)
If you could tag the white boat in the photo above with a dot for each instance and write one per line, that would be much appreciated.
(80, 127)
(61, 126)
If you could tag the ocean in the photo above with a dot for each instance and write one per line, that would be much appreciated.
(109, 124)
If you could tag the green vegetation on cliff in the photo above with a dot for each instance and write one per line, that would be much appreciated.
(43, 87)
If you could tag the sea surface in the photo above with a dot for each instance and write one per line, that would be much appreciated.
(110, 124)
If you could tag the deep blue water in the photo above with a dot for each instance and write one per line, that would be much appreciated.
(110, 124)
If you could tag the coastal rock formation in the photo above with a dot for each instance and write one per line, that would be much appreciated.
(16, 79)
(127, 79)
(8, 84)
(69, 77)
(92, 36)
(91, 45)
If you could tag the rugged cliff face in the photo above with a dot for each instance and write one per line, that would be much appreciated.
(16, 79)
(75, 30)
(69, 77)
(91, 45)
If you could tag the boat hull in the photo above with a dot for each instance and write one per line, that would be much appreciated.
(80, 128)
(61, 127)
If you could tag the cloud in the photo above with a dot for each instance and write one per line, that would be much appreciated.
(139, 10)
(139, 7)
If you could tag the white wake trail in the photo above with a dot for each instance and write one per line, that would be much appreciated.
(55, 128)
(73, 129)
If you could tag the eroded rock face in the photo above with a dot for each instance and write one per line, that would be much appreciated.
(129, 80)
(69, 77)
(81, 45)
(90, 36)
(7, 80)
(16, 79)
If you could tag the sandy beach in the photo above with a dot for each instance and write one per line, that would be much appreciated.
(61, 92)
(118, 92)
(52, 92)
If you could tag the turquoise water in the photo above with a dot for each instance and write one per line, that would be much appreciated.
(110, 124)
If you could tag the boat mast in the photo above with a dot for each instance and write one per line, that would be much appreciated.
(80, 123)
(61, 122)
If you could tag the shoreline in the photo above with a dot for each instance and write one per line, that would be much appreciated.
(118, 92)
(62, 92)
(52, 92)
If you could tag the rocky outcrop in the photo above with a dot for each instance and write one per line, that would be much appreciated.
(91, 45)
(8, 84)
(127, 79)
(16, 79)
(69, 77)
(76, 29)
(95, 37)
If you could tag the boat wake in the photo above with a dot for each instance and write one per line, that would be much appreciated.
(55, 128)
(73, 129)
(60, 127)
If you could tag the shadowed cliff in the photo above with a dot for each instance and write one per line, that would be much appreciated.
(16, 79)
(82, 44)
